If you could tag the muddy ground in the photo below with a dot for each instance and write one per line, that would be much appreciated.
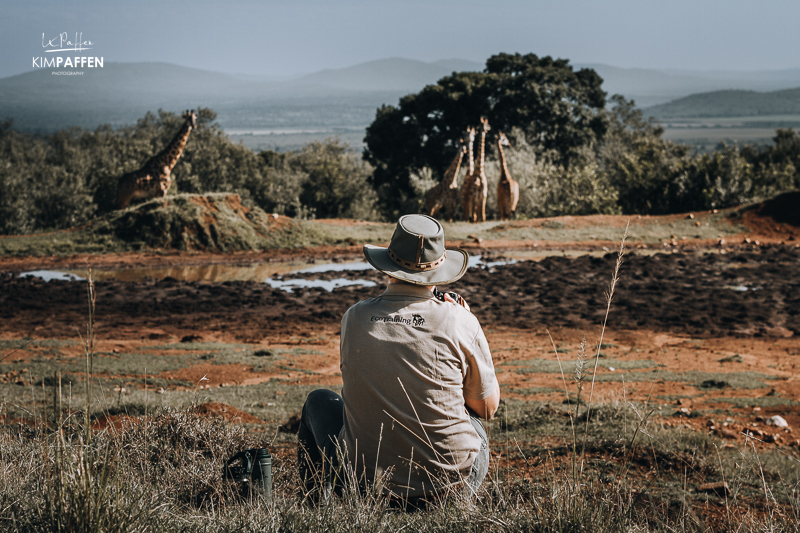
(705, 294)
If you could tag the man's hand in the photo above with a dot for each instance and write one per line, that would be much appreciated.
(461, 301)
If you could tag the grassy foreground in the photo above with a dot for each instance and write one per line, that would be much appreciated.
(621, 472)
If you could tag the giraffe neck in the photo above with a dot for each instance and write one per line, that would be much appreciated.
(169, 155)
(503, 167)
(451, 175)
(470, 159)
(481, 153)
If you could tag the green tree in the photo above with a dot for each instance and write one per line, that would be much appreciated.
(337, 181)
(716, 180)
(776, 167)
(647, 171)
(555, 108)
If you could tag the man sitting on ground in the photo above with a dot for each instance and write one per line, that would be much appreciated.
(417, 374)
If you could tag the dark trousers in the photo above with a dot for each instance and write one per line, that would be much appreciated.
(320, 424)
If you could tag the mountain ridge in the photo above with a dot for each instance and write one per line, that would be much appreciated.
(331, 100)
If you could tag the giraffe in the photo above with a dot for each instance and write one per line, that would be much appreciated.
(467, 190)
(473, 202)
(507, 188)
(153, 179)
(444, 196)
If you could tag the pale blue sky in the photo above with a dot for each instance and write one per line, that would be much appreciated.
(281, 37)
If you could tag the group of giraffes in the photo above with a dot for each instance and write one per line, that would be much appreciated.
(445, 196)
(153, 179)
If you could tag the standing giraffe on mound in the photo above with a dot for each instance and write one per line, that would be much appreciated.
(154, 178)
(476, 189)
(445, 194)
(507, 188)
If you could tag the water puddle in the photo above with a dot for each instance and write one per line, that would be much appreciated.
(50, 275)
(277, 275)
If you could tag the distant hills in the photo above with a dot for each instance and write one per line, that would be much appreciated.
(343, 101)
(649, 87)
(730, 103)
(120, 93)
(393, 74)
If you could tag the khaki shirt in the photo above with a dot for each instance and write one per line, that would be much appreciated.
(408, 362)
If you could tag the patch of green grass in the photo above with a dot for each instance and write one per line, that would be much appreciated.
(152, 383)
(13, 344)
(737, 380)
(294, 351)
(197, 346)
(260, 360)
(140, 363)
(137, 363)
(301, 370)
(535, 366)
(562, 229)
(535, 390)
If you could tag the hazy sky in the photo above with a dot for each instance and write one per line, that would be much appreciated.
(281, 37)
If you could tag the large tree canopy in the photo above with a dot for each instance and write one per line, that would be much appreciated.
(554, 106)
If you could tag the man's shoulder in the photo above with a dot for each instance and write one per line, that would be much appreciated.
(465, 319)
(362, 305)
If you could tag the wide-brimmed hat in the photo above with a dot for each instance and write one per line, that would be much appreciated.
(417, 254)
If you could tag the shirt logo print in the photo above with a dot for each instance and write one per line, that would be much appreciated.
(416, 320)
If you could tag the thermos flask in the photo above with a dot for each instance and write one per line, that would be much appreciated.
(262, 471)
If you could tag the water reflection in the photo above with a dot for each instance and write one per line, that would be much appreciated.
(49, 275)
(211, 273)
(334, 267)
(271, 273)
(289, 285)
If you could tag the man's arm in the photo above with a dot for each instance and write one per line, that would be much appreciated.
(487, 407)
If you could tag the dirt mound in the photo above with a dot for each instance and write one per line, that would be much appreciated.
(783, 208)
(210, 223)
(229, 413)
(777, 218)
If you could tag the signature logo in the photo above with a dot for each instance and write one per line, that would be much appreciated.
(58, 44)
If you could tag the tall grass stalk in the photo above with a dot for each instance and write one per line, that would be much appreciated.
(609, 298)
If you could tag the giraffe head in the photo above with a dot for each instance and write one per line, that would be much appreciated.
(484, 127)
(191, 118)
(470, 135)
(502, 140)
(462, 145)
